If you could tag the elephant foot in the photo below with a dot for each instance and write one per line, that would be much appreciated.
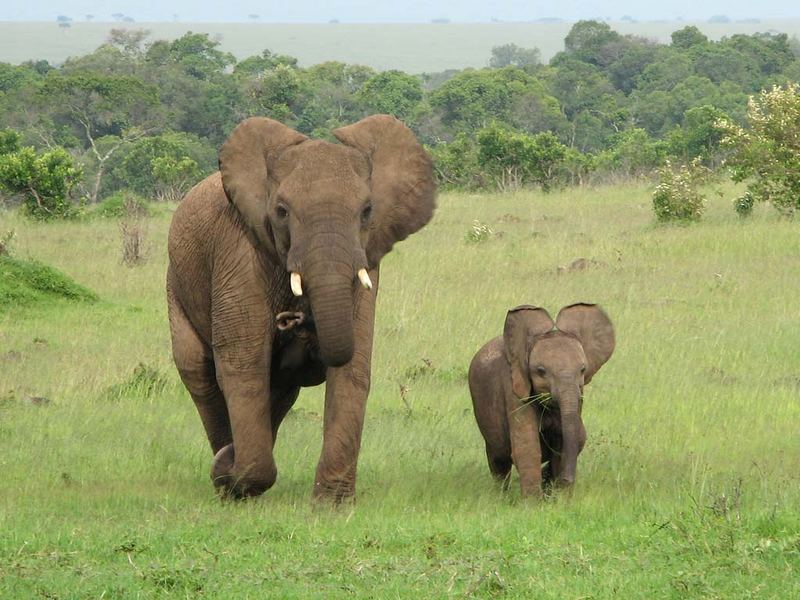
(334, 492)
(231, 485)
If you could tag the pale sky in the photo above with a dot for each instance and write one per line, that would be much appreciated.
(359, 11)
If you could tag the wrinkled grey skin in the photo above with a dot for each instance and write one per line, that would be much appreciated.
(242, 342)
(527, 391)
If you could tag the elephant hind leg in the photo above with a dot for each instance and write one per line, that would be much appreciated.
(195, 364)
(499, 465)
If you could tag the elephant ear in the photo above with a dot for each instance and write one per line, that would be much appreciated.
(402, 184)
(243, 163)
(523, 324)
(594, 330)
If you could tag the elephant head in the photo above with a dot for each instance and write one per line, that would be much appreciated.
(328, 212)
(553, 361)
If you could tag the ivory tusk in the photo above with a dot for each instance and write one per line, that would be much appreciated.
(363, 277)
(295, 282)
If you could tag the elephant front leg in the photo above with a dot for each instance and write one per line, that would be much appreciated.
(246, 467)
(523, 423)
(346, 394)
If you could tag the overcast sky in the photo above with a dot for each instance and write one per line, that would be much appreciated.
(310, 11)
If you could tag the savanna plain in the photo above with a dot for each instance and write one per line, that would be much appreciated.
(689, 485)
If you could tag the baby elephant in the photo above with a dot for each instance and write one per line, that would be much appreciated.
(527, 391)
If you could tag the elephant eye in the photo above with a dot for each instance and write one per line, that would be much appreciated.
(540, 371)
(282, 211)
(366, 213)
(583, 368)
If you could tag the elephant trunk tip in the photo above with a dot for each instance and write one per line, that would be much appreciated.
(566, 480)
(336, 357)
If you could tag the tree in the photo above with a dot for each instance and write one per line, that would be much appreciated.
(198, 55)
(117, 107)
(473, 98)
(593, 42)
(688, 37)
(162, 165)
(44, 181)
(767, 155)
(698, 136)
(515, 158)
(513, 55)
(633, 154)
(129, 41)
(174, 176)
(258, 66)
(392, 92)
(9, 141)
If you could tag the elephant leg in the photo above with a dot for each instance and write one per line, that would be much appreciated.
(248, 468)
(547, 461)
(346, 394)
(282, 402)
(499, 464)
(523, 425)
(195, 365)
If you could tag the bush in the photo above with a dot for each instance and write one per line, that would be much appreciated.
(767, 155)
(514, 158)
(456, 163)
(45, 182)
(743, 205)
(676, 197)
(479, 232)
(117, 205)
(24, 282)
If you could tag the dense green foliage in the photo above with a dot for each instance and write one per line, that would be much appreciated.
(150, 114)
(677, 196)
(44, 180)
(767, 155)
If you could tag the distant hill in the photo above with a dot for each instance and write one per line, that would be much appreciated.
(413, 48)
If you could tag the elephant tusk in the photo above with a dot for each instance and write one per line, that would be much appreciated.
(295, 282)
(363, 277)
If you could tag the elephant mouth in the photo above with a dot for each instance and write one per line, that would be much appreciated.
(299, 322)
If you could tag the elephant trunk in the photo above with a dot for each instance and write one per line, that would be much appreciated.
(571, 431)
(329, 277)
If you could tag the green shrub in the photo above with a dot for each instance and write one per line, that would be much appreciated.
(676, 197)
(767, 153)
(456, 163)
(514, 158)
(45, 181)
(117, 205)
(743, 205)
(479, 232)
(24, 282)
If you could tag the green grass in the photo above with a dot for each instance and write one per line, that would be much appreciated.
(414, 47)
(25, 282)
(688, 487)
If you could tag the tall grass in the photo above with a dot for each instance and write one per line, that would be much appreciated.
(688, 486)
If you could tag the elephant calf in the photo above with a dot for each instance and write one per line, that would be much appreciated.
(527, 391)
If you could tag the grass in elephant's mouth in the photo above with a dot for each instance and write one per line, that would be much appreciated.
(686, 487)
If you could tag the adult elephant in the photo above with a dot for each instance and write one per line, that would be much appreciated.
(271, 286)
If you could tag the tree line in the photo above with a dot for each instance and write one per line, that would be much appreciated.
(148, 115)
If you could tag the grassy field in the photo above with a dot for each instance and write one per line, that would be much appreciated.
(689, 485)
(413, 48)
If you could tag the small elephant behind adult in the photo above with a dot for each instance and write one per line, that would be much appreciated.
(527, 391)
